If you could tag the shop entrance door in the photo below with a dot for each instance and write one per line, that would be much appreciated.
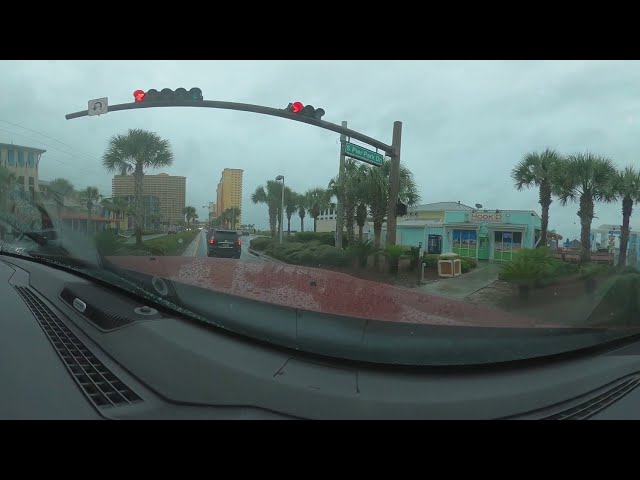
(483, 247)
(434, 244)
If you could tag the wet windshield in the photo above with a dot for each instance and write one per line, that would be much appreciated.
(493, 200)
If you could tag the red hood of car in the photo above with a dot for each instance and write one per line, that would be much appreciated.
(320, 291)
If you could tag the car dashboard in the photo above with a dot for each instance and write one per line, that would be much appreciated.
(74, 349)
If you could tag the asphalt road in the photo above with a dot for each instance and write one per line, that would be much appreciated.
(198, 248)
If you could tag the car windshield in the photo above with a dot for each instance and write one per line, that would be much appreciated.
(433, 213)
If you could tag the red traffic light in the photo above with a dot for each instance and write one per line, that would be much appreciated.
(139, 95)
(296, 107)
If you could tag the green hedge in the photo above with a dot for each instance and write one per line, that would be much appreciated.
(467, 264)
(325, 238)
(170, 244)
(261, 243)
(312, 254)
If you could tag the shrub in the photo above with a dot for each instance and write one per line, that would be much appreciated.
(261, 243)
(325, 238)
(467, 264)
(588, 271)
(109, 242)
(361, 250)
(430, 261)
(331, 256)
(530, 266)
(170, 244)
(393, 254)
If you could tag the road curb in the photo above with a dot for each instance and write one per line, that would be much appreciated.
(258, 254)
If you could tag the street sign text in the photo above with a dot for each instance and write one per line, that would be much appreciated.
(363, 154)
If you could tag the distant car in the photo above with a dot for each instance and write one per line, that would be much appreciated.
(172, 230)
(224, 243)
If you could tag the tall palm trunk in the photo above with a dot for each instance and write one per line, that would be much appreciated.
(302, 224)
(586, 217)
(138, 176)
(377, 231)
(545, 203)
(272, 220)
(288, 225)
(627, 210)
(315, 224)
(349, 217)
(360, 232)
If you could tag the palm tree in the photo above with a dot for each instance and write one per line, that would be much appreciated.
(361, 218)
(375, 185)
(539, 170)
(90, 197)
(626, 184)
(270, 195)
(120, 207)
(352, 183)
(318, 200)
(230, 216)
(189, 214)
(290, 206)
(132, 153)
(586, 178)
(301, 202)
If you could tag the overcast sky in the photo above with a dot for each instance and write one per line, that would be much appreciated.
(465, 124)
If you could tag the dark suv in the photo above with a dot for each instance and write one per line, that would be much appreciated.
(224, 243)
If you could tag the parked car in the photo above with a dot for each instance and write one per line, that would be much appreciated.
(172, 230)
(224, 243)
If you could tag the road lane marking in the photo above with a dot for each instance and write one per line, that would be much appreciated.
(197, 244)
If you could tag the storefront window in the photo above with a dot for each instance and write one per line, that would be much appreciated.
(506, 244)
(465, 243)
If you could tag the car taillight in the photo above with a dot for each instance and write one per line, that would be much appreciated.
(239, 243)
(212, 241)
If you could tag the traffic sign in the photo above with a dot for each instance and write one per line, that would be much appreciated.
(98, 106)
(363, 154)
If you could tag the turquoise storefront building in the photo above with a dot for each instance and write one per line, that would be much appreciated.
(491, 235)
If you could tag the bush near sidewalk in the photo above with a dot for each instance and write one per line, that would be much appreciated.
(466, 264)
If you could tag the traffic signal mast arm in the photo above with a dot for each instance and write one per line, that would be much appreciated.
(246, 107)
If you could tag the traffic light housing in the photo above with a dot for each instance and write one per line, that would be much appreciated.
(297, 108)
(168, 95)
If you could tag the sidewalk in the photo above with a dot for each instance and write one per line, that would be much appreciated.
(464, 285)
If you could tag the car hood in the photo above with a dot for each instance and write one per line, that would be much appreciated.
(321, 291)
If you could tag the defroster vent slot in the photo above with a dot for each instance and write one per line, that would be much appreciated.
(97, 382)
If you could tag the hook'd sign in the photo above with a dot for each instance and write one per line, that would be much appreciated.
(486, 217)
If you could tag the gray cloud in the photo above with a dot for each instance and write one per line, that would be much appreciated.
(465, 124)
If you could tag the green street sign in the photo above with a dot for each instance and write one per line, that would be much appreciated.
(363, 154)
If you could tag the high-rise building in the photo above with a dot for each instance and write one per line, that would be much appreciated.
(23, 162)
(163, 194)
(229, 193)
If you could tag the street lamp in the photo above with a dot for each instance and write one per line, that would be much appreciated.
(281, 177)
